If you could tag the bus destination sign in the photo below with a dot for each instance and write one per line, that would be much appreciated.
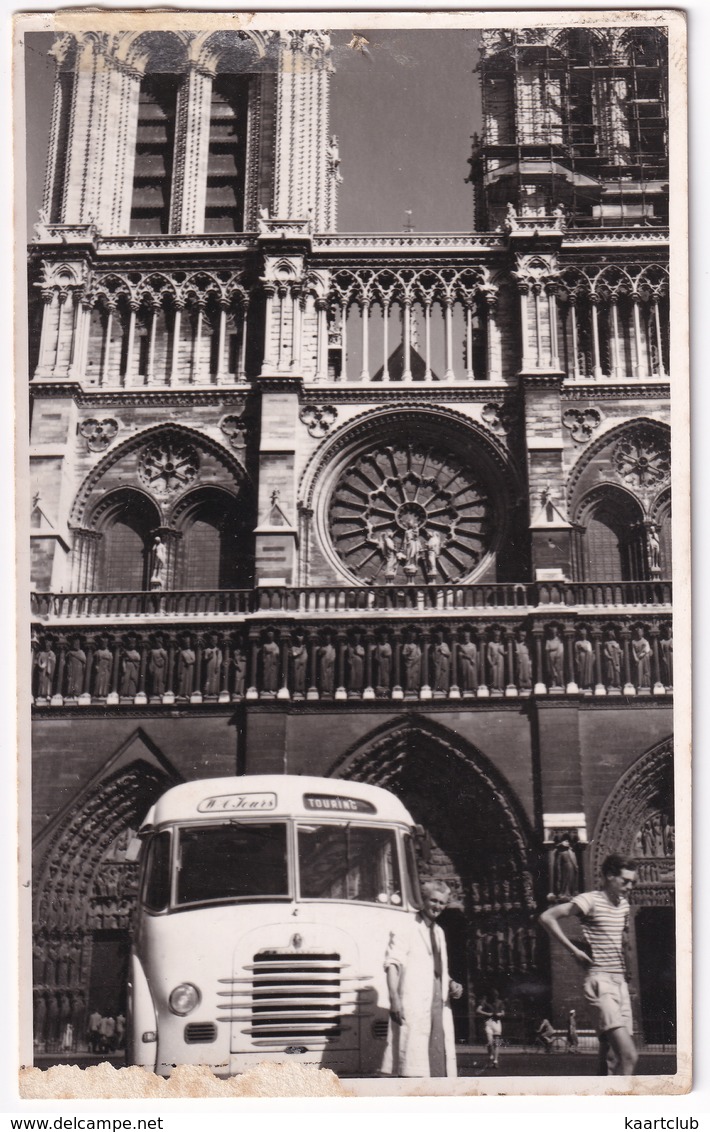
(237, 803)
(334, 802)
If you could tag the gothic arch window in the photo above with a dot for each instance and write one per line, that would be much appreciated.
(155, 144)
(662, 517)
(226, 161)
(212, 550)
(126, 525)
(612, 534)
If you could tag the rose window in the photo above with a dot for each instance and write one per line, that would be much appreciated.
(410, 512)
(642, 458)
(167, 466)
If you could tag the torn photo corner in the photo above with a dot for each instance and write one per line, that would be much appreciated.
(351, 760)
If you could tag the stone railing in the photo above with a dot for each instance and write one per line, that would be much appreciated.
(505, 655)
(479, 598)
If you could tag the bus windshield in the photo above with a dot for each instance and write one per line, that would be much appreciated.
(232, 862)
(348, 862)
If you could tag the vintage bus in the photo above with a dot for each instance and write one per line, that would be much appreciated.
(265, 906)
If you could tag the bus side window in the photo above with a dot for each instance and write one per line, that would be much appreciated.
(415, 896)
(156, 885)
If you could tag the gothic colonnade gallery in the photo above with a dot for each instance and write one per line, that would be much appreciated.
(392, 507)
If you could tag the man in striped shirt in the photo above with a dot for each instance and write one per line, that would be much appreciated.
(605, 917)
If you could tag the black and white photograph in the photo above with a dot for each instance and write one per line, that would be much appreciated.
(355, 369)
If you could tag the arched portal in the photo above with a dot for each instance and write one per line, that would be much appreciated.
(84, 893)
(478, 841)
(638, 822)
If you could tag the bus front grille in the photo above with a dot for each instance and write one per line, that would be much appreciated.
(290, 997)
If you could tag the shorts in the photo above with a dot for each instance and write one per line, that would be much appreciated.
(610, 995)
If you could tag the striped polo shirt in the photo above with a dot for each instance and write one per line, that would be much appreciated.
(603, 925)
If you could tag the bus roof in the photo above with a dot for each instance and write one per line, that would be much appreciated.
(278, 794)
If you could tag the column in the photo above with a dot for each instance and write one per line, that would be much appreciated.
(268, 363)
(169, 694)
(469, 339)
(599, 688)
(45, 350)
(61, 300)
(175, 360)
(313, 642)
(481, 642)
(340, 692)
(540, 688)
(222, 375)
(85, 697)
(659, 341)
(196, 695)
(640, 369)
(58, 697)
(552, 314)
(397, 693)
(226, 646)
(283, 692)
(131, 345)
(656, 682)
(448, 325)
(112, 697)
(425, 690)
(252, 690)
(242, 367)
(406, 340)
(141, 697)
(596, 357)
(322, 342)
(197, 342)
(629, 688)
(369, 691)
(385, 341)
(150, 370)
(344, 341)
(569, 634)
(538, 325)
(107, 344)
(511, 688)
(281, 347)
(524, 328)
(365, 318)
(296, 329)
(575, 338)
(454, 690)
(616, 358)
(493, 339)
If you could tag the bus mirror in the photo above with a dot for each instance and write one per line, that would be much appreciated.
(419, 832)
(133, 850)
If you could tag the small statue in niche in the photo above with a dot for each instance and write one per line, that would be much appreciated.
(641, 650)
(158, 667)
(239, 661)
(130, 668)
(103, 663)
(411, 546)
(212, 658)
(45, 663)
(326, 659)
(654, 549)
(441, 659)
(667, 657)
(495, 652)
(468, 666)
(185, 668)
(612, 660)
(299, 663)
(270, 663)
(565, 870)
(76, 668)
(356, 665)
(523, 663)
(584, 655)
(433, 550)
(159, 557)
(412, 658)
(555, 651)
(383, 657)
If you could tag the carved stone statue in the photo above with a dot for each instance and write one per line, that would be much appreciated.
(326, 658)
(667, 658)
(388, 551)
(383, 658)
(612, 660)
(495, 654)
(130, 668)
(468, 667)
(75, 667)
(239, 661)
(441, 659)
(555, 650)
(433, 550)
(641, 650)
(565, 871)
(158, 667)
(356, 664)
(212, 659)
(653, 544)
(584, 655)
(159, 557)
(412, 658)
(411, 546)
(299, 663)
(103, 663)
(186, 668)
(46, 662)
(523, 663)
(270, 663)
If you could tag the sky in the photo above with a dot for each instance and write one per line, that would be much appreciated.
(404, 114)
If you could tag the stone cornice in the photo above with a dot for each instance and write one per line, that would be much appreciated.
(398, 392)
(633, 390)
(156, 397)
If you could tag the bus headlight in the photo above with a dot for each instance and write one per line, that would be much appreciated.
(184, 998)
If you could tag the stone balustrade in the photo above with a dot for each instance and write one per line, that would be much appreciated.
(350, 660)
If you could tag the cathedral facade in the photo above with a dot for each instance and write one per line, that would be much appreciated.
(388, 507)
